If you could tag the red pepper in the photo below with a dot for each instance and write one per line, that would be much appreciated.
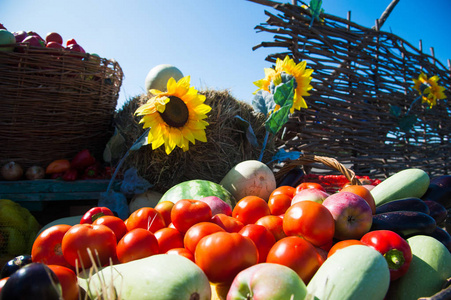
(82, 160)
(393, 247)
(93, 172)
(95, 213)
(70, 175)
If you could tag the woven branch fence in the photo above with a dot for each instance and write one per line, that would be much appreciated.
(359, 75)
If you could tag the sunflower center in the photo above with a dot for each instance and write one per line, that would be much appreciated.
(175, 113)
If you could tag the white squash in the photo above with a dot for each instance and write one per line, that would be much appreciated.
(147, 199)
(160, 276)
(249, 178)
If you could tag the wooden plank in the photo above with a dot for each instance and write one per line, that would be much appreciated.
(37, 197)
(54, 186)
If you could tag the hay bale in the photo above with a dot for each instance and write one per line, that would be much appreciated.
(226, 144)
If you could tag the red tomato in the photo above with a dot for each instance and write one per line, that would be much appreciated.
(168, 238)
(298, 254)
(68, 280)
(114, 223)
(261, 237)
(228, 223)
(222, 255)
(187, 212)
(147, 218)
(96, 212)
(310, 220)
(309, 185)
(164, 208)
(249, 209)
(47, 246)
(274, 224)
(285, 190)
(99, 239)
(135, 244)
(343, 244)
(182, 252)
(279, 203)
(196, 232)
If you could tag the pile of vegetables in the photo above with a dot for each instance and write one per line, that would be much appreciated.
(200, 242)
(83, 166)
(53, 40)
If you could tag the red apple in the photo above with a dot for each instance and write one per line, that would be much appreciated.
(76, 49)
(32, 33)
(369, 187)
(53, 37)
(54, 45)
(267, 281)
(312, 194)
(34, 41)
(217, 205)
(20, 36)
(352, 214)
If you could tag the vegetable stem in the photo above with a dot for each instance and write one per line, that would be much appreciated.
(265, 141)
(394, 258)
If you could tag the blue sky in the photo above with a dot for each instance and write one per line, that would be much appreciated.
(210, 40)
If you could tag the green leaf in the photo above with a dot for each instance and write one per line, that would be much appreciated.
(141, 141)
(406, 123)
(315, 8)
(283, 96)
(395, 110)
(284, 93)
(246, 126)
(115, 147)
(263, 102)
(277, 119)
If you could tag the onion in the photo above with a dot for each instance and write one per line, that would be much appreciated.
(12, 171)
(35, 172)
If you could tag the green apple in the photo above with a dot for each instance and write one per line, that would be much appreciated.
(7, 38)
(266, 281)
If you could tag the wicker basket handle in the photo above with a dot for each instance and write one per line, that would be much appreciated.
(327, 161)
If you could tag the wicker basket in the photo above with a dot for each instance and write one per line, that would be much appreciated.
(332, 183)
(55, 103)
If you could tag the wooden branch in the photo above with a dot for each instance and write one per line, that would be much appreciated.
(386, 13)
(265, 2)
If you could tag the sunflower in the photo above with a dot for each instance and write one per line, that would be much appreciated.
(429, 89)
(175, 117)
(287, 68)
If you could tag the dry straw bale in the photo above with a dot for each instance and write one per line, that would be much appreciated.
(226, 144)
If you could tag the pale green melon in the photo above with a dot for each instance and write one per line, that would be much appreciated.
(158, 77)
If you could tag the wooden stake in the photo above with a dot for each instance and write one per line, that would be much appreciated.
(386, 13)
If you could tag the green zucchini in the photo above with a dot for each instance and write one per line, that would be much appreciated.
(355, 272)
(404, 184)
(197, 189)
(428, 272)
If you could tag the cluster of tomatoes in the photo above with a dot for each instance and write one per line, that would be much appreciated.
(222, 245)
